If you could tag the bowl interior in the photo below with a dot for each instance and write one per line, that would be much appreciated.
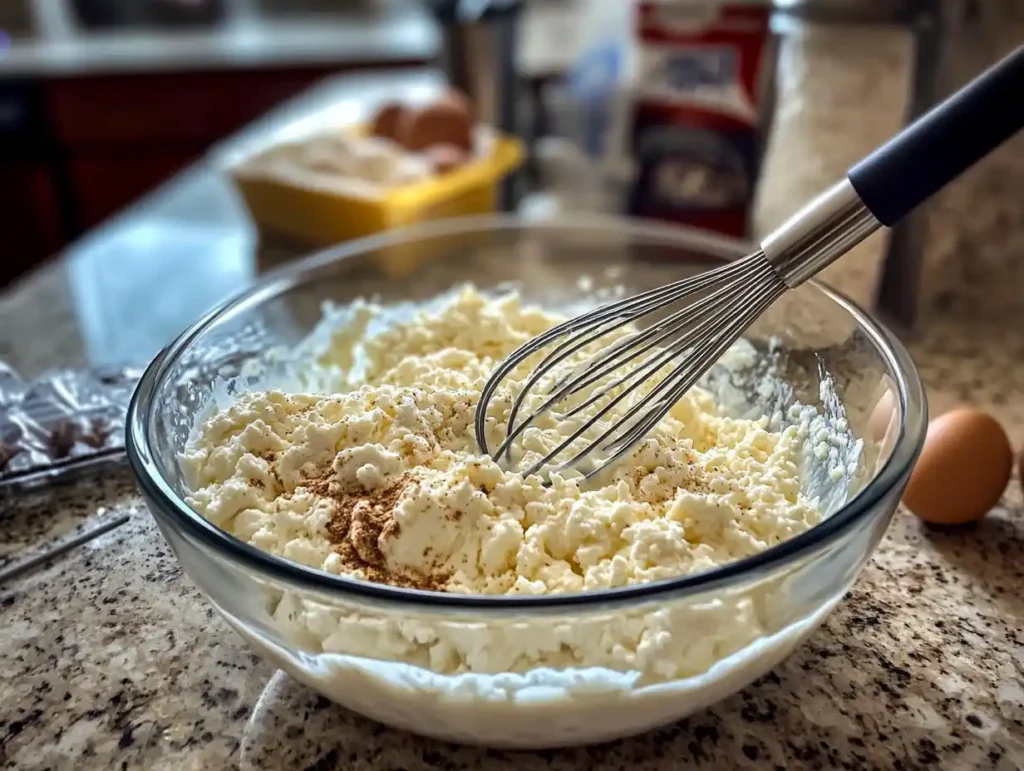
(811, 347)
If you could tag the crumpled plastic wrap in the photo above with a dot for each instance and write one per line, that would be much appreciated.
(62, 423)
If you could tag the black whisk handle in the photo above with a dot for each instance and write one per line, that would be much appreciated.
(938, 147)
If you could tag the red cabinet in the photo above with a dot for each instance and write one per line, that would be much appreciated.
(122, 136)
(99, 143)
(30, 211)
(166, 107)
(104, 181)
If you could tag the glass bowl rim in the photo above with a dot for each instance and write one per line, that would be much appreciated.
(913, 410)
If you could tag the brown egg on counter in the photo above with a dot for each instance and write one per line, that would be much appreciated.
(1020, 468)
(388, 120)
(963, 469)
(445, 158)
(459, 100)
(444, 122)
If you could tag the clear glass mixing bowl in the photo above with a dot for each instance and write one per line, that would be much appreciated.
(452, 666)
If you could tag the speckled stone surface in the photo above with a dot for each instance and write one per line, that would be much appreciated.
(115, 660)
(42, 518)
(111, 658)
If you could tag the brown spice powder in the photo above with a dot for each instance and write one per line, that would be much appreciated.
(360, 519)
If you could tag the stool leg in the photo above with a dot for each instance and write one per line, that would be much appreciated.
(898, 290)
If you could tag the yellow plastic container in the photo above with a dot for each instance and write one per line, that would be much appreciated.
(324, 217)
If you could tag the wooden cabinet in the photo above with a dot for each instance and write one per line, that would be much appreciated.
(166, 107)
(103, 181)
(122, 136)
(30, 212)
(30, 208)
(80, 149)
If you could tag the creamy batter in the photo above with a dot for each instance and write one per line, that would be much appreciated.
(384, 482)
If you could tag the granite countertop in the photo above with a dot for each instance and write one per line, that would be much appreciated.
(112, 659)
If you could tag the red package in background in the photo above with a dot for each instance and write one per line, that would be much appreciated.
(702, 104)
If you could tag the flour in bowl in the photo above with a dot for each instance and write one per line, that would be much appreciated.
(384, 482)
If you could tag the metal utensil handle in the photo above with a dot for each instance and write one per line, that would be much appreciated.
(943, 143)
(886, 185)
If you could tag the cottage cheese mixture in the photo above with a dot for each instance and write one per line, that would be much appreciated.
(384, 482)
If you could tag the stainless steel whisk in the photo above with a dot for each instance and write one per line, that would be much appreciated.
(719, 305)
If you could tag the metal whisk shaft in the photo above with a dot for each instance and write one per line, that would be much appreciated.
(730, 298)
(719, 305)
(624, 376)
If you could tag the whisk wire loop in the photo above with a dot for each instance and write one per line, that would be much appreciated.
(652, 407)
(618, 314)
(718, 306)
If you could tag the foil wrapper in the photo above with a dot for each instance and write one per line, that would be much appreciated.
(60, 424)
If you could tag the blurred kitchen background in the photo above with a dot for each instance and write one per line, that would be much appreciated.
(121, 122)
